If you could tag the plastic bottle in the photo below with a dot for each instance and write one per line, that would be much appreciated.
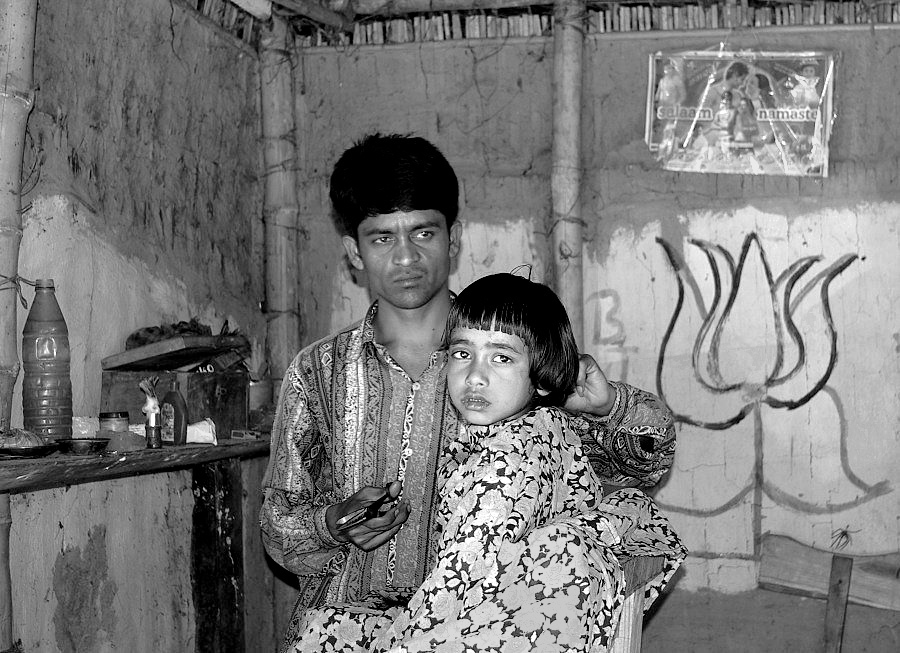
(46, 384)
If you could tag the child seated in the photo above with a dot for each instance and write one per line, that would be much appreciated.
(530, 548)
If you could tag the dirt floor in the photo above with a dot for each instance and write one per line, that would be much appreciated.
(761, 621)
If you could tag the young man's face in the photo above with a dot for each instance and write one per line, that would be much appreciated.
(406, 255)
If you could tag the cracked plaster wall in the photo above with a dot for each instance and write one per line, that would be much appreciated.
(141, 175)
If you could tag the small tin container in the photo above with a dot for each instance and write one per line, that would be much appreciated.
(114, 421)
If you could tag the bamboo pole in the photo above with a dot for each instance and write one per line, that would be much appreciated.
(565, 174)
(282, 214)
(17, 21)
(282, 221)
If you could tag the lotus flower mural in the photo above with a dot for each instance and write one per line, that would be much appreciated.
(759, 342)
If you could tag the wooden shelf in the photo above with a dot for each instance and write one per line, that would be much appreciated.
(59, 470)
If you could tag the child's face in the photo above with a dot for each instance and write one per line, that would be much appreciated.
(488, 375)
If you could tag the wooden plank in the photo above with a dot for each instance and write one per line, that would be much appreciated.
(172, 352)
(789, 566)
(6, 586)
(259, 583)
(105, 567)
(640, 569)
(217, 557)
(836, 608)
(59, 470)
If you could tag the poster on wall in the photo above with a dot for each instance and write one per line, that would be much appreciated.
(741, 112)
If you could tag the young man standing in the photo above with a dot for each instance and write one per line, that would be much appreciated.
(364, 413)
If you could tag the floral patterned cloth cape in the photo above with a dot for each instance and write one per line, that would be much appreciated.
(528, 558)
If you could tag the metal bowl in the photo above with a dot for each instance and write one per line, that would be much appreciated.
(82, 446)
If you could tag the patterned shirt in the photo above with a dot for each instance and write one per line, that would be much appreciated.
(349, 416)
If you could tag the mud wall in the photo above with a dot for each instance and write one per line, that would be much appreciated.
(142, 198)
(799, 434)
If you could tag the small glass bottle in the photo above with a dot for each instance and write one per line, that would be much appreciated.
(116, 421)
(154, 436)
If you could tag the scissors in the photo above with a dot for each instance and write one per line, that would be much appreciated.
(368, 512)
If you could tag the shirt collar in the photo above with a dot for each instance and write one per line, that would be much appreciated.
(364, 333)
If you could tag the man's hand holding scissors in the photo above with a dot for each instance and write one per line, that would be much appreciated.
(362, 520)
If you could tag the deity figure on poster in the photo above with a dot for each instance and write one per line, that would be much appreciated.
(670, 90)
(720, 131)
(671, 93)
(803, 86)
(745, 132)
(759, 88)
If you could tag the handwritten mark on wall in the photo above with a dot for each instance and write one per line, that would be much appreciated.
(608, 328)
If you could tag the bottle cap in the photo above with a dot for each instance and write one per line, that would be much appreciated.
(43, 283)
(114, 415)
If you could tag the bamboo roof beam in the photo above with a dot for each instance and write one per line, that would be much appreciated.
(260, 9)
(317, 13)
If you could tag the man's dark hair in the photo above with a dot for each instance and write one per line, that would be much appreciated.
(520, 307)
(384, 173)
